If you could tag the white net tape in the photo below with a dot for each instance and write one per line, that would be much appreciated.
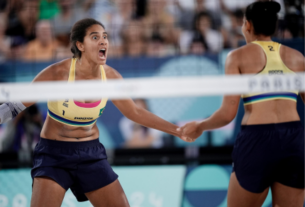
(152, 87)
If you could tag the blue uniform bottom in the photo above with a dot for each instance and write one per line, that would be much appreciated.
(80, 166)
(264, 154)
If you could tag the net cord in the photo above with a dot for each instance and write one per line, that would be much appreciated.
(156, 87)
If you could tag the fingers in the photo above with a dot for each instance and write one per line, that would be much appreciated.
(187, 139)
(187, 132)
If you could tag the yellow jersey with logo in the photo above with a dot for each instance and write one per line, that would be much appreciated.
(274, 66)
(73, 113)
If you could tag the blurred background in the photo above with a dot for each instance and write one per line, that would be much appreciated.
(148, 38)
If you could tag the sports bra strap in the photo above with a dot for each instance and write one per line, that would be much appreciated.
(72, 71)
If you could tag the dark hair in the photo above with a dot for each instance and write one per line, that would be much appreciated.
(198, 17)
(78, 33)
(263, 15)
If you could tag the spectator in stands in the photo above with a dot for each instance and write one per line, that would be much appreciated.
(11, 8)
(103, 10)
(186, 16)
(212, 39)
(133, 39)
(197, 46)
(113, 14)
(228, 9)
(48, 9)
(4, 40)
(42, 48)
(22, 28)
(63, 22)
(156, 47)
(137, 136)
(234, 34)
(158, 21)
(125, 13)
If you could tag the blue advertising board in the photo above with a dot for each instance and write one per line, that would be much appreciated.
(145, 186)
(157, 186)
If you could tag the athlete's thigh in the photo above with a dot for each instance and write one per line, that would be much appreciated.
(285, 196)
(111, 195)
(47, 193)
(238, 196)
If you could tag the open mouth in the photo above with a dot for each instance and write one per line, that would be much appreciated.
(102, 53)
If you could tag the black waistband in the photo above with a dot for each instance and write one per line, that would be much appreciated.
(62, 144)
(278, 126)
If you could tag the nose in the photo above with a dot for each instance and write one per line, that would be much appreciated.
(103, 42)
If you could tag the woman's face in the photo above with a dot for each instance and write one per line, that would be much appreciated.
(203, 24)
(95, 45)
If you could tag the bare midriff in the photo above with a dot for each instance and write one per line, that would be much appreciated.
(270, 112)
(54, 130)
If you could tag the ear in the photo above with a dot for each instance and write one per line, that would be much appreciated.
(248, 26)
(80, 46)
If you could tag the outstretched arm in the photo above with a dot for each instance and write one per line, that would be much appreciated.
(10, 110)
(139, 115)
(224, 115)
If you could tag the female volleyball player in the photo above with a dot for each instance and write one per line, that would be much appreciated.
(69, 154)
(269, 150)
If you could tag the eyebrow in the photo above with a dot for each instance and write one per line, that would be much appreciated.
(97, 33)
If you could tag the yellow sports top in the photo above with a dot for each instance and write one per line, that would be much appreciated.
(274, 65)
(74, 113)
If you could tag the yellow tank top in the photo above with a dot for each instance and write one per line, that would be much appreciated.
(74, 113)
(274, 65)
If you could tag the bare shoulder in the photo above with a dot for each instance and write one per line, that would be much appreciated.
(236, 56)
(293, 59)
(292, 52)
(242, 52)
(111, 73)
(232, 62)
(55, 72)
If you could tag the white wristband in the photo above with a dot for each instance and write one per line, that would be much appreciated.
(10, 110)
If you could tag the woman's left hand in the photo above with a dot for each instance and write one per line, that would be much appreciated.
(191, 131)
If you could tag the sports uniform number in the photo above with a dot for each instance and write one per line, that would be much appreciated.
(271, 48)
(63, 112)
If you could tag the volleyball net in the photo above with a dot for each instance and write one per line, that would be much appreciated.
(152, 87)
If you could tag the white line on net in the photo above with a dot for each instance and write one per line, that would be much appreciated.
(152, 87)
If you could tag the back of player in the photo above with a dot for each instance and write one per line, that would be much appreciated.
(269, 150)
(268, 57)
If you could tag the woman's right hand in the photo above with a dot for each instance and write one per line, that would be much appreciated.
(191, 131)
